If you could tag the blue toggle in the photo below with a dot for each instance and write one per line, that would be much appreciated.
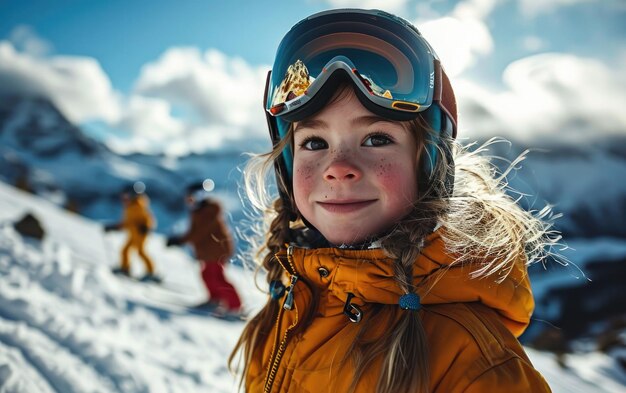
(410, 301)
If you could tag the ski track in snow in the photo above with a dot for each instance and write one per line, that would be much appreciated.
(68, 325)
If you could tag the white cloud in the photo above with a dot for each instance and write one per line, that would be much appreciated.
(474, 9)
(204, 138)
(462, 37)
(535, 7)
(221, 98)
(556, 96)
(218, 89)
(133, 144)
(458, 43)
(77, 85)
(222, 95)
(150, 118)
(394, 6)
(191, 139)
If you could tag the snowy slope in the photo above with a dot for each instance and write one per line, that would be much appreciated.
(67, 325)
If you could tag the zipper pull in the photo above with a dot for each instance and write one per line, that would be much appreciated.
(289, 300)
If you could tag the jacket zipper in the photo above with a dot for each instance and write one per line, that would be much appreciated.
(278, 352)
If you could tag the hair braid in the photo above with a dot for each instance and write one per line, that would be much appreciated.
(405, 366)
(260, 326)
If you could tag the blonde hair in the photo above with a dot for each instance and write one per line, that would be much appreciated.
(478, 222)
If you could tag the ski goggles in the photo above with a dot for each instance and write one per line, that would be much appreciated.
(396, 72)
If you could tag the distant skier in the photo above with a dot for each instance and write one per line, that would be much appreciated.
(212, 243)
(137, 221)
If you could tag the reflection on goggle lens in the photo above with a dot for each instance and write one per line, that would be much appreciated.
(295, 83)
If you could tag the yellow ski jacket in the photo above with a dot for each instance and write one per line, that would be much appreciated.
(471, 325)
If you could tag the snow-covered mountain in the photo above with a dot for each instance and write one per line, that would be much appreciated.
(42, 150)
(586, 183)
(67, 325)
(37, 126)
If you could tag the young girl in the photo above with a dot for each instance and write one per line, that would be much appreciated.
(395, 261)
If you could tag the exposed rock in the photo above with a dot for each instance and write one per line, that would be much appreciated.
(29, 226)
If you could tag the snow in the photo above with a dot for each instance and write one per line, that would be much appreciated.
(585, 373)
(68, 325)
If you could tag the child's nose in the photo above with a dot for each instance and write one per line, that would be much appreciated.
(342, 170)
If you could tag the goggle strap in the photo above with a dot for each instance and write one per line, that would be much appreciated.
(438, 81)
(265, 93)
(448, 101)
(451, 119)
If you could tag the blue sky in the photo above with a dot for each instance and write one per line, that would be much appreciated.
(124, 35)
(179, 76)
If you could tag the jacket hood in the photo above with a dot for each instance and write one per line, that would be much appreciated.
(369, 275)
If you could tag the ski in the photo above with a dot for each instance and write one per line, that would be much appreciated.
(202, 309)
(165, 285)
(173, 298)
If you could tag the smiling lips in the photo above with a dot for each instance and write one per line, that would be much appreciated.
(346, 205)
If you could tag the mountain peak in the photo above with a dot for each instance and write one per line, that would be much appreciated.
(35, 125)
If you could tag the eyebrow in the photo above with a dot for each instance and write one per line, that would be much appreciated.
(359, 121)
(369, 120)
(310, 123)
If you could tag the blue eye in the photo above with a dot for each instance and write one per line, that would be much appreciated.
(314, 143)
(377, 140)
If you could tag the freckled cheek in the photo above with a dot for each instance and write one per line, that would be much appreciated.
(304, 174)
(398, 181)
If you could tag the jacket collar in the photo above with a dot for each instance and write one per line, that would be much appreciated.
(369, 275)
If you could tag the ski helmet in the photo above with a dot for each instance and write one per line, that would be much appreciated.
(200, 190)
(394, 71)
(133, 190)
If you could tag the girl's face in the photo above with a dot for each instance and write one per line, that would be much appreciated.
(354, 172)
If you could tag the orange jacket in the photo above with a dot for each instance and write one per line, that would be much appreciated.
(471, 325)
(208, 233)
(137, 218)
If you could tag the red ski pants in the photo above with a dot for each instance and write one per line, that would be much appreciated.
(219, 289)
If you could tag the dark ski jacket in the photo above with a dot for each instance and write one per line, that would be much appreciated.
(208, 233)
